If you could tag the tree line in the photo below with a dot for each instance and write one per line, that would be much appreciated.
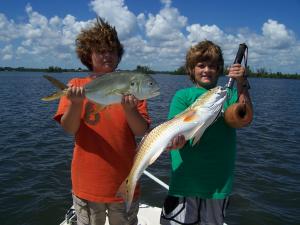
(50, 69)
(260, 73)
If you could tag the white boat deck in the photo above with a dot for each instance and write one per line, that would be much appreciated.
(148, 215)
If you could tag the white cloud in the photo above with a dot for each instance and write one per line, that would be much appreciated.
(7, 57)
(166, 25)
(6, 53)
(276, 35)
(8, 30)
(117, 14)
(54, 21)
(166, 2)
(164, 41)
(43, 40)
(36, 19)
(157, 40)
(271, 50)
(21, 51)
(141, 20)
(7, 49)
(199, 33)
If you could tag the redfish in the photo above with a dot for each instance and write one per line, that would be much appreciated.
(191, 123)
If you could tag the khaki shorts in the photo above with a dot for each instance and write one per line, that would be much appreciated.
(193, 210)
(95, 213)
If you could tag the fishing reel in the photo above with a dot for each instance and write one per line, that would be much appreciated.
(239, 114)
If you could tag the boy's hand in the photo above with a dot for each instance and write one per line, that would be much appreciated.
(236, 71)
(176, 143)
(129, 102)
(135, 120)
(76, 94)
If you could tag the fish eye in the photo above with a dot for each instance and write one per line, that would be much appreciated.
(151, 83)
(132, 84)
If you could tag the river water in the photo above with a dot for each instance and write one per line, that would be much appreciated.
(35, 153)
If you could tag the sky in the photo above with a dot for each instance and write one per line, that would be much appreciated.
(155, 33)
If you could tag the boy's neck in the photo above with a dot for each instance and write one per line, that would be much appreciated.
(205, 87)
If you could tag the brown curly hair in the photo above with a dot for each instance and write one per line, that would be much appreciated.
(204, 51)
(100, 37)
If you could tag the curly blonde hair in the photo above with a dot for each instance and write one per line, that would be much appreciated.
(100, 37)
(204, 51)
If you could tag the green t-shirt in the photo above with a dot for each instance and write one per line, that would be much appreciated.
(205, 170)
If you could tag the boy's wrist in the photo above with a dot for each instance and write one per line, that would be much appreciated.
(129, 108)
(243, 83)
(76, 103)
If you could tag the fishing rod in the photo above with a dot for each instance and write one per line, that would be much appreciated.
(239, 114)
(241, 53)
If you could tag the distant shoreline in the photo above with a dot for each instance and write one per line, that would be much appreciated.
(51, 69)
(277, 75)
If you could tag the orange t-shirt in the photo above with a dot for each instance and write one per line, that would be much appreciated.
(104, 149)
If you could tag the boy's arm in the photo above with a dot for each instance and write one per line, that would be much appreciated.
(138, 124)
(237, 72)
(243, 93)
(70, 120)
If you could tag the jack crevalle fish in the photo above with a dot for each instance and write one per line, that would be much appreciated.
(191, 123)
(108, 89)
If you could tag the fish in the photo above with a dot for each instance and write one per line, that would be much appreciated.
(191, 123)
(109, 88)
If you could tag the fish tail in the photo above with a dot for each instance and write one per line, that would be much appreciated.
(125, 193)
(56, 95)
(56, 82)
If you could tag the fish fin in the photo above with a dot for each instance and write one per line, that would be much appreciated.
(123, 190)
(124, 193)
(219, 115)
(183, 112)
(155, 156)
(61, 86)
(198, 134)
(190, 116)
(55, 82)
(117, 92)
(55, 95)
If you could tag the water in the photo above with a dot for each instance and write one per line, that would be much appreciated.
(35, 153)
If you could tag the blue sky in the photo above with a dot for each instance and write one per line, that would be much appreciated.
(155, 33)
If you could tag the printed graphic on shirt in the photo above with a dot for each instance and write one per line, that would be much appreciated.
(91, 116)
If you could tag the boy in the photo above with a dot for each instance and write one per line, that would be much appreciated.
(104, 141)
(201, 178)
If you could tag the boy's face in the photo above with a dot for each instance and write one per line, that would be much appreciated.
(104, 61)
(206, 75)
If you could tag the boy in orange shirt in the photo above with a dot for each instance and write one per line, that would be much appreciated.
(104, 141)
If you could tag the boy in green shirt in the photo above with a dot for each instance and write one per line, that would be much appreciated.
(202, 175)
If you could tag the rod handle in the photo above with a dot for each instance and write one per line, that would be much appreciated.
(240, 53)
(238, 59)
